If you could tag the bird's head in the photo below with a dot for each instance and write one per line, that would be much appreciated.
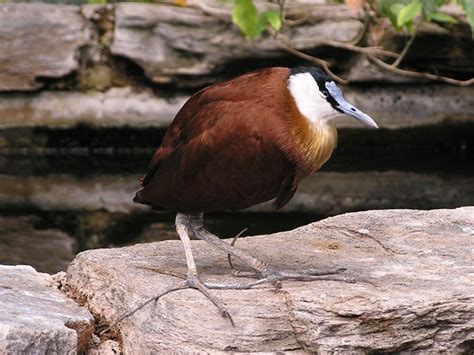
(319, 98)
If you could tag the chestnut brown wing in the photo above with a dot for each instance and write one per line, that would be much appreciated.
(226, 156)
(197, 114)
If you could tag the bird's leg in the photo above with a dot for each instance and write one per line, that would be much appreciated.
(196, 226)
(263, 270)
(235, 272)
(192, 280)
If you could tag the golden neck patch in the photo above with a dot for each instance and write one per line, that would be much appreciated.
(315, 141)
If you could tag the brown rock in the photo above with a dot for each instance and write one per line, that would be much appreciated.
(414, 289)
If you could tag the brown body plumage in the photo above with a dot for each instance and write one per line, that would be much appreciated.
(234, 145)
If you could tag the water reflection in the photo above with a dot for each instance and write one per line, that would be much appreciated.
(74, 192)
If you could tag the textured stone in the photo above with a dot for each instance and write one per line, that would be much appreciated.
(107, 347)
(169, 41)
(324, 193)
(36, 318)
(38, 42)
(22, 242)
(414, 289)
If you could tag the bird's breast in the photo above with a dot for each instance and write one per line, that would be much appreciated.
(314, 142)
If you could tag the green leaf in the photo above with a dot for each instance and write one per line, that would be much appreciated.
(397, 8)
(394, 11)
(247, 19)
(442, 17)
(273, 18)
(408, 13)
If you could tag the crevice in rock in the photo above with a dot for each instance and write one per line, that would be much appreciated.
(100, 322)
(292, 319)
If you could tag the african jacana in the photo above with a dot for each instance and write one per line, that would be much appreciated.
(239, 143)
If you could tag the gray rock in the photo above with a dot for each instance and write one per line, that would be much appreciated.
(169, 41)
(21, 242)
(37, 42)
(324, 193)
(114, 108)
(37, 318)
(414, 289)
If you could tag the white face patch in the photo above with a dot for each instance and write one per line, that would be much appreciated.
(309, 99)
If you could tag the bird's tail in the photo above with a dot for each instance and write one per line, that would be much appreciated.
(138, 198)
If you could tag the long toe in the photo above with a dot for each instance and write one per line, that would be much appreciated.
(195, 283)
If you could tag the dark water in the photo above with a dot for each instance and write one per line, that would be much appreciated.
(33, 233)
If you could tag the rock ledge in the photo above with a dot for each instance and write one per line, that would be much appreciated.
(414, 290)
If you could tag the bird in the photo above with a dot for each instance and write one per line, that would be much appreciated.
(239, 143)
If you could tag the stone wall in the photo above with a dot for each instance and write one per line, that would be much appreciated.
(134, 64)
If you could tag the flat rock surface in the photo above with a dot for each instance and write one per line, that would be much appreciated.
(38, 41)
(36, 318)
(414, 289)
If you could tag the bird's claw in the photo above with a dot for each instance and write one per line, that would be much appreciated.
(194, 282)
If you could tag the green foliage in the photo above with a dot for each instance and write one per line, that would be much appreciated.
(97, 1)
(252, 23)
(245, 17)
(441, 17)
(273, 19)
(407, 13)
(402, 13)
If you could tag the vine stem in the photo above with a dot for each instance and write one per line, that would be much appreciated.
(416, 74)
(282, 43)
(404, 52)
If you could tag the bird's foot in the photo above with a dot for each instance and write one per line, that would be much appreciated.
(195, 283)
(274, 277)
(269, 275)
